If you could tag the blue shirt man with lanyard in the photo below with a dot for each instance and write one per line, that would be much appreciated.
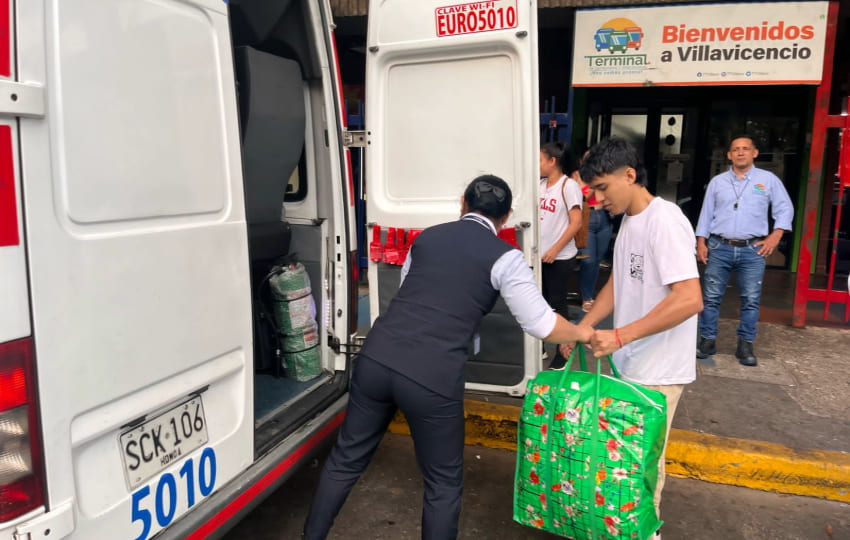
(732, 234)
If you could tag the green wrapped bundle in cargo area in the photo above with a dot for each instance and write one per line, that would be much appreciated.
(588, 447)
(295, 317)
(301, 354)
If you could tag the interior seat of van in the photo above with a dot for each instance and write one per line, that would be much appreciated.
(280, 95)
(271, 103)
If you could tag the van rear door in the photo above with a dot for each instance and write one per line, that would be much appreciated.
(137, 256)
(452, 94)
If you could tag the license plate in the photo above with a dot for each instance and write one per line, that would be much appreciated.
(157, 443)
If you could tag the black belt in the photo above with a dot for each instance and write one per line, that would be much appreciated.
(738, 243)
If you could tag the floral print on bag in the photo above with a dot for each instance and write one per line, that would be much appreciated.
(583, 486)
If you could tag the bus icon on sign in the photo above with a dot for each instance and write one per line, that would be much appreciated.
(635, 37)
(618, 35)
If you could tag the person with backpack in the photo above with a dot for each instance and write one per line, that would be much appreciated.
(560, 220)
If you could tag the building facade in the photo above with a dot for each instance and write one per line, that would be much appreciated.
(681, 112)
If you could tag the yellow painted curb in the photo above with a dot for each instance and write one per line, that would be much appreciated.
(487, 424)
(759, 465)
(722, 460)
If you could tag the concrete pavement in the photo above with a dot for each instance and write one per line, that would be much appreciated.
(386, 505)
(781, 426)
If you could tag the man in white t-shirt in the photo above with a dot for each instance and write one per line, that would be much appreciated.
(654, 290)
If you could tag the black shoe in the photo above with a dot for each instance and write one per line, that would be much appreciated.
(705, 347)
(744, 354)
(558, 362)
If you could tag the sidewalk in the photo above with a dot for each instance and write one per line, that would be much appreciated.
(794, 400)
(782, 426)
(796, 396)
(386, 504)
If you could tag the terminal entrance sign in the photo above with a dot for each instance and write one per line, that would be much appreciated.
(765, 43)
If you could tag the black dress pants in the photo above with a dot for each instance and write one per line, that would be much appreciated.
(437, 426)
(555, 278)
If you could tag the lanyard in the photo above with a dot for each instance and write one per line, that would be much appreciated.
(477, 219)
(743, 189)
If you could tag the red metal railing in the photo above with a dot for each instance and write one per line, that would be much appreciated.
(843, 180)
(803, 293)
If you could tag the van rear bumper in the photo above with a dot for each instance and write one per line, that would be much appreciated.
(218, 513)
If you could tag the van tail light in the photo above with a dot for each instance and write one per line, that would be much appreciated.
(21, 474)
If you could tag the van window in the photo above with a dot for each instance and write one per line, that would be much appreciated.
(296, 188)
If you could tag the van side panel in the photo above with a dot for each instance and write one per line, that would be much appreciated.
(137, 249)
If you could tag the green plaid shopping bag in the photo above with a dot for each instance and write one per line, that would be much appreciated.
(588, 447)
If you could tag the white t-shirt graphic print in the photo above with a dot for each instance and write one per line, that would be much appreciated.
(654, 249)
(555, 217)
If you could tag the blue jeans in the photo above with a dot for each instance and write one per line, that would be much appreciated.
(598, 238)
(749, 269)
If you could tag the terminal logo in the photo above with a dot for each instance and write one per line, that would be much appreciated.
(618, 35)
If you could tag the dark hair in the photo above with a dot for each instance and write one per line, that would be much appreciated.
(610, 155)
(488, 195)
(741, 136)
(561, 152)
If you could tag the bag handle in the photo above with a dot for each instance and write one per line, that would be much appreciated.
(588, 495)
(589, 492)
(610, 359)
(579, 351)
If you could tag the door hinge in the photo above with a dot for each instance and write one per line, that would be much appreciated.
(354, 139)
(339, 347)
(20, 99)
(56, 524)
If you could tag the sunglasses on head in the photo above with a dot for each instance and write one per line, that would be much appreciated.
(486, 187)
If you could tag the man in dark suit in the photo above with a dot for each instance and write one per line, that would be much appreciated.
(414, 355)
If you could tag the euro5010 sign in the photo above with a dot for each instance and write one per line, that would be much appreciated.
(475, 17)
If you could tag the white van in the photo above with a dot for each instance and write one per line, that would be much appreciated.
(157, 159)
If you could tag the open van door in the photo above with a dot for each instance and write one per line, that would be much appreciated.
(452, 94)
